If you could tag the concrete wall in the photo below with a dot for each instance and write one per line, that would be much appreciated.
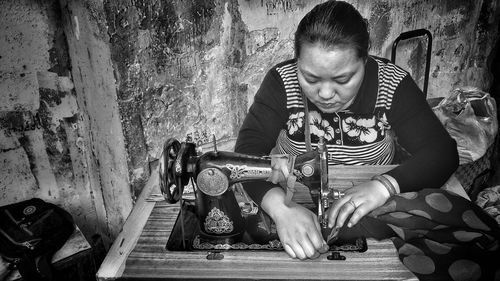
(90, 90)
(193, 67)
(60, 132)
(178, 66)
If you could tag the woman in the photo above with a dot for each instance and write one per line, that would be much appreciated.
(359, 104)
(356, 102)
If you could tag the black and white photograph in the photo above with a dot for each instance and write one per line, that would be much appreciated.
(249, 140)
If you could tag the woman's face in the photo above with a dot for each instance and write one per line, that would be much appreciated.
(330, 78)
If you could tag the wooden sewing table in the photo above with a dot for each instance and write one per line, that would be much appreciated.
(139, 251)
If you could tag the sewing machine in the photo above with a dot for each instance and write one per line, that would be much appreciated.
(214, 173)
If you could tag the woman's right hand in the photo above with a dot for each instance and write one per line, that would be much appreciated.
(298, 228)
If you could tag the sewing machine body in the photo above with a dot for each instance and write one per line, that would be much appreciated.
(215, 172)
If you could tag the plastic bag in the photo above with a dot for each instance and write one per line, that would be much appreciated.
(489, 200)
(470, 117)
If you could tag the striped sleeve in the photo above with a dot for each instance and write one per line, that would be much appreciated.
(390, 76)
(288, 74)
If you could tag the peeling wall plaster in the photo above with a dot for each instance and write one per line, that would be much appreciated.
(43, 143)
(192, 68)
(98, 86)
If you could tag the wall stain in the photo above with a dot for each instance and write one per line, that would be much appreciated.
(379, 24)
(417, 61)
(58, 54)
(191, 67)
(274, 7)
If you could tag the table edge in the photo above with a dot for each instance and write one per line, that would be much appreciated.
(114, 263)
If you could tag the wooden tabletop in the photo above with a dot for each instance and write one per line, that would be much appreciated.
(139, 251)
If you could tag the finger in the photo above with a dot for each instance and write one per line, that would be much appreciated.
(289, 251)
(318, 239)
(322, 246)
(318, 242)
(299, 252)
(346, 210)
(359, 213)
(316, 223)
(333, 212)
(308, 248)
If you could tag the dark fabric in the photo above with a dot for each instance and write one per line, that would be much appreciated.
(439, 235)
(434, 153)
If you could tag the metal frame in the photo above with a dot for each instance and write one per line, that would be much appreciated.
(413, 34)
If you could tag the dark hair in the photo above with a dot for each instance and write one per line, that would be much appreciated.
(333, 24)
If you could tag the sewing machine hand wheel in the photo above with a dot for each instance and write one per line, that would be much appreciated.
(173, 169)
(168, 179)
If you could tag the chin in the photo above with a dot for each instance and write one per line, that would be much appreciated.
(330, 110)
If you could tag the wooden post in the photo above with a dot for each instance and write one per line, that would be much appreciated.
(92, 71)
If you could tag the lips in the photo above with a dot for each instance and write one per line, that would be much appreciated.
(327, 105)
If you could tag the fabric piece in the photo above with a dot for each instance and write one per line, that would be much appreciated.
(489, 200)
(439, 235)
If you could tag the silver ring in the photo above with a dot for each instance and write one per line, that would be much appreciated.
(353, 204)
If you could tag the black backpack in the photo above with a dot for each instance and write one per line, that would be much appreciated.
(31, 231)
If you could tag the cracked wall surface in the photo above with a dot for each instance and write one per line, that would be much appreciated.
(190, 69)
(177, 65)
(39, 115)
(55, 143)
(90, 90)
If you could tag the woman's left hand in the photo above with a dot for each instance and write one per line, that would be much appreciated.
(359, 201)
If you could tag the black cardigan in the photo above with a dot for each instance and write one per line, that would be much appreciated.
(434, 155)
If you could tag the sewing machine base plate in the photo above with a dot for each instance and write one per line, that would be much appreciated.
(259, 234)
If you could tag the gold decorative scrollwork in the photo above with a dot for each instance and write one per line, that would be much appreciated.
(217, 222)
(237, 171)
(271, 245)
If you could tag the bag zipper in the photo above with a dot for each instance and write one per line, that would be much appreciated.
(27, 244)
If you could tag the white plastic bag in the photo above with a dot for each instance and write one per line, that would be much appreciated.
(470, 117)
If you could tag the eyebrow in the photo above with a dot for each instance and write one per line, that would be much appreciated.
(344, 75)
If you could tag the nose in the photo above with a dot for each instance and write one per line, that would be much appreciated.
(326, 91)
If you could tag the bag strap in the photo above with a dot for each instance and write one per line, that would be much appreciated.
(307, 129)
(36, 268)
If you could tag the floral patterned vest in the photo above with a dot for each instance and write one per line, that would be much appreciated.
(351, 138)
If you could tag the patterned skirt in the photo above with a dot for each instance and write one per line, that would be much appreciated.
(438, 235)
